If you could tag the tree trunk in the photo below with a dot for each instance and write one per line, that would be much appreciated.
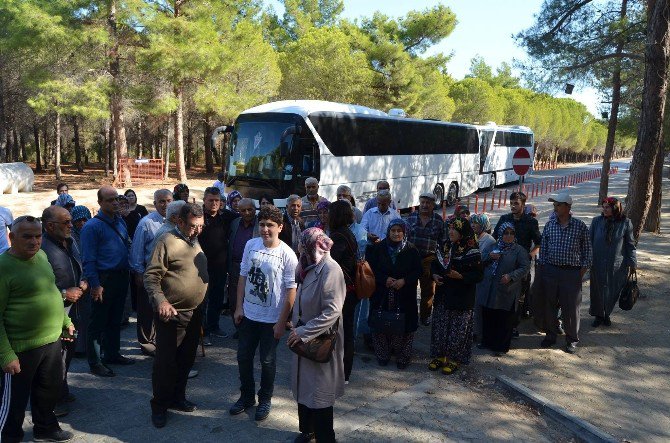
(116, 100)
(16, 146)
(140, 145)
(207, 130)
(47, 149)
(179, 134)
(77, 145)
(22, 143)
(57, 148)
(189, 144)
(3, 121)
(166, 151)
(10, 146)
(110, 148)
(614, 115)
(38, 151)
(650, 131)
(653, 222)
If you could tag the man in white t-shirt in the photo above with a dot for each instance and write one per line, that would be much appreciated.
(6, 221)
(265, 292)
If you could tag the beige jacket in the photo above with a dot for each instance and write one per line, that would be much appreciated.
(321, 297)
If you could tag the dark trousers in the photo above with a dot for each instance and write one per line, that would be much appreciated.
(40, 382)
(176, 345)
(146, 331)
(254, 335)
(348, 320)
(497, 326)
(317, 421)
(104, 329)
(524, 301)
(562, 287)
(214, 299)
(67, 352)
(427, 288)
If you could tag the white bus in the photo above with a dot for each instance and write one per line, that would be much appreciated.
(276, 146)
(497, 145)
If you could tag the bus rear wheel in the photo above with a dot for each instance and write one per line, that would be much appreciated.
(439, 194)
(452, 194)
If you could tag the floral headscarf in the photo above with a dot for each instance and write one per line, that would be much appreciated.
(502, 245)
(231, 198)
(461, 247)
(65, 200)
(482, 220)
(314, 245)
(394, 248)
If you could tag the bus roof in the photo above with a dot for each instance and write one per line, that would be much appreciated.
(493, 125)
(306, 107)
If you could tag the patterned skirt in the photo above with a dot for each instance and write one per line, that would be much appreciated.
(451, 335)
(400, 345)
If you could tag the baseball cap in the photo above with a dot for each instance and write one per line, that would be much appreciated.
(429, 195)
(563, 197)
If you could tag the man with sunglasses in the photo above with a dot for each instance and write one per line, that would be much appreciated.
(105, 246)
(65, 259)
(32, 322)
(565, 256)
(527, 233)
(214, 241)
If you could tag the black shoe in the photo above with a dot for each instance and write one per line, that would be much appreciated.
(547, 343)
(183, 406)
(607, 321)
(159, 419)
(57, 435)
(102, 371)
(240, 406)
(597, 322)
(571, 348)
(61, 409)
(305, 437)
(515, 333)
(263, 410)
(120, 360)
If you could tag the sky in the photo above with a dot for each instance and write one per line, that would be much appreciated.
(484, 28)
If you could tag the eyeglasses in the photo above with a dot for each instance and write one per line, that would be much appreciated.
(66, 222)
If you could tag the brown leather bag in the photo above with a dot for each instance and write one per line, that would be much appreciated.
(365, 280)
(319, 349)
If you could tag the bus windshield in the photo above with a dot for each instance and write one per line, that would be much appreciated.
(255, 149)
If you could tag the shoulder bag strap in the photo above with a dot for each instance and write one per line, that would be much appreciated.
(125, 240)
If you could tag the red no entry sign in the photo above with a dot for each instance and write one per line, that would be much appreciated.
(521, 161)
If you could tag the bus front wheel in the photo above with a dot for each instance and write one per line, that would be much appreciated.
(439, 194)
(452, 194)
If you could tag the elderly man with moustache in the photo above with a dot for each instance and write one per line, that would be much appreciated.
(176, 280)
(382, 185)
(65, 259)
(140, 253)
(311, 200)
(293, 223)
(105, 245)
(32, 321)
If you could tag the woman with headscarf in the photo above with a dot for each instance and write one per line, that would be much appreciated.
(322, 221)
(456, 274)
(80, 215)
(481, 224)
(503, 284)
(396, 264)
(65, 201)
(612, 236)
(233, 200)
(317, 309)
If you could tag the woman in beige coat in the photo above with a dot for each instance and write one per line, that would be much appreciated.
(321, 294)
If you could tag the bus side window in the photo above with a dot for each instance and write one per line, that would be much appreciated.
(500, 139)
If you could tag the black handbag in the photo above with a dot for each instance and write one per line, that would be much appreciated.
(629, 293)
(388, 322)
(319, 349)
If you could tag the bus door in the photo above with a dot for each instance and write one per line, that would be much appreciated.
(485, 139)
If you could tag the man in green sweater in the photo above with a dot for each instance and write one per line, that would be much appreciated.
(32, 321)
(176, 281)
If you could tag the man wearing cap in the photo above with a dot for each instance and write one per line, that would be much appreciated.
(565, 256)
(140, 255)
(309, 201)
(427, 233)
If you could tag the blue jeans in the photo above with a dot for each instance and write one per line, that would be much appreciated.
(254, 335)
(361, 316)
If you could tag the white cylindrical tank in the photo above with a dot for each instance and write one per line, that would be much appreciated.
(16, 177)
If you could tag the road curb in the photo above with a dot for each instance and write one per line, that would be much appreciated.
(583, 430)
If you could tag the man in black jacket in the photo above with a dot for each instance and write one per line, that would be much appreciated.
(65, 259)
(293, 223)
(527, 235)
(214, 242)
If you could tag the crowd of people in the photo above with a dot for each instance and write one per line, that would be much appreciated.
(65, 278)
